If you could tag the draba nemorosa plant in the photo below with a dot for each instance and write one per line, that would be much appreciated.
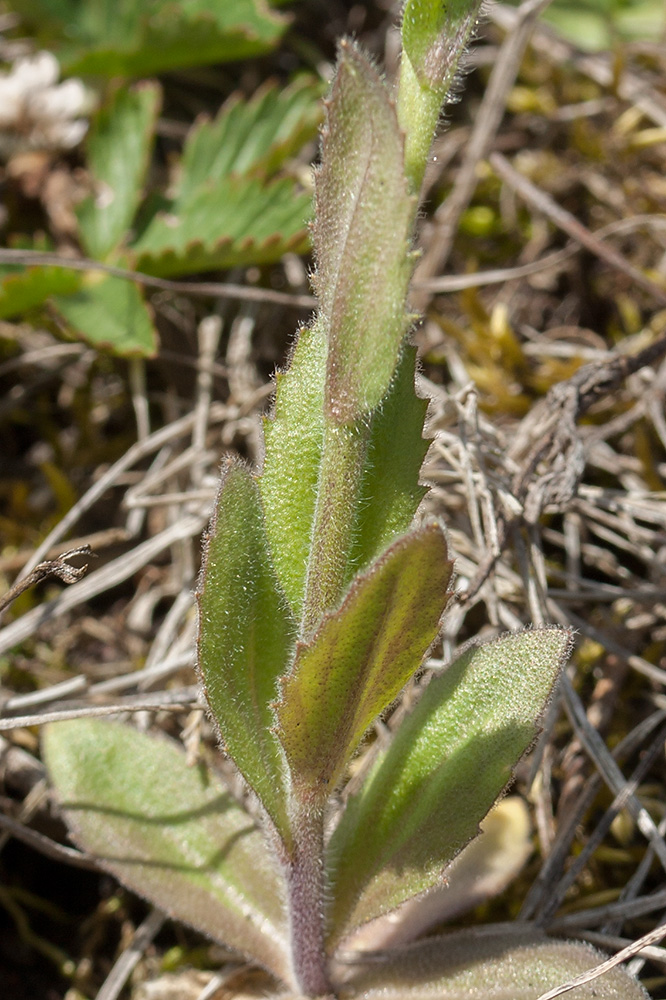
(318, 599)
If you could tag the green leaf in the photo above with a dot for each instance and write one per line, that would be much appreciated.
(364, 217)
(225, 211)
(449, 761)
(232, 222)
(252, 137)
(293, 443)
(390, 491)
(479, 873)
(21, 290)
(171, 832)
(361, 657)
(110, 312)
(245, 639)
(126, 38)
(118, 151)
(489, 963)
(389, 494)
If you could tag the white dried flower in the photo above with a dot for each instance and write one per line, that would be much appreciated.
(37, 112)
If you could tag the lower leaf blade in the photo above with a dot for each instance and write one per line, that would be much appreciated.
(170, 832)
(450, 760)
(245, 638)
(510, 962)
(360, 658)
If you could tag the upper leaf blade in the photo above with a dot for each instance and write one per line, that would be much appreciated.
(361, 657)
(487, 963)
(293, 444)
(434, 36)
(170, 832)
(364, 217)
(118, 148)
(245, 638)
(449, 761)
(390, 493)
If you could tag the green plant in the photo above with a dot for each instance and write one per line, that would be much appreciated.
(318, 601)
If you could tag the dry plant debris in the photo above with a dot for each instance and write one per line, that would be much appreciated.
(543, 284)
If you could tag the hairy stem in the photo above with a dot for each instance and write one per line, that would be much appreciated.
(305, 890)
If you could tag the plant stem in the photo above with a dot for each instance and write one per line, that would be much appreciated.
(418, 113)
(342, 467)
(305, 891)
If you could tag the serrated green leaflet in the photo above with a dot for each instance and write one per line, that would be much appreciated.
(231, 223)
(118, 150)
(226, 211)
(246, 634)
(109, 313)
(364, 217)
(426, 795)
(169, 831)
(361, 657)
(508, 963)
(252, 137)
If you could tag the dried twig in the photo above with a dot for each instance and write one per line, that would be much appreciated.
(210, 289)
(558, 444)
(58, 567)
(587, 977)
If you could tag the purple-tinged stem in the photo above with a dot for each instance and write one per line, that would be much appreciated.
(305, 893)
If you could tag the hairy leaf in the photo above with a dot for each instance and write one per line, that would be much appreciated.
(361, 657)
(480, 872)
(364, 218)
(293, 443)
(118, 150)
(449, 761)
(513, 962)
(171, 832)
(109, 312)
(245, 638)
(390, 491)
(434, 36)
